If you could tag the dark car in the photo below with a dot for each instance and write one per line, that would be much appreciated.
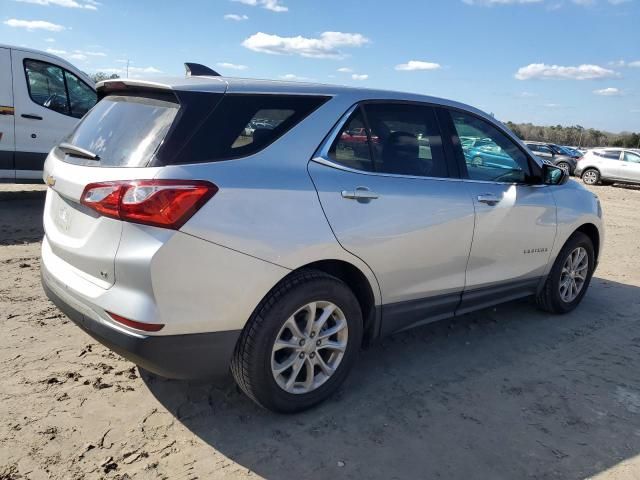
(551, 153)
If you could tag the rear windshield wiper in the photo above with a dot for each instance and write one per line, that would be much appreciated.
(74, 151)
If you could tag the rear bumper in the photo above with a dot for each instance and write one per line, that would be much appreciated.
(190, 356)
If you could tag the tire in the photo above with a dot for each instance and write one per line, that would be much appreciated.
(564, 166)
(550, 298)
(255, 358)
(591, 176)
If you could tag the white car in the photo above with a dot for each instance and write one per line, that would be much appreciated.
(609, 165)
(42, 97)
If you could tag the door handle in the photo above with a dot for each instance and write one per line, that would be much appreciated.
(31, 116)
(360, 193)
(488, 198)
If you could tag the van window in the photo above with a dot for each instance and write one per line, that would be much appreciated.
(46, 85)
(58, 89)
(81, 97)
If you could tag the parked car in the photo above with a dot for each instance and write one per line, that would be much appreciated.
(609, 165)
(280, 256)
(484, 152)
(553, 154)
(41, 99)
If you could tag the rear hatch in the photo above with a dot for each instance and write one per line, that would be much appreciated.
(116, 140)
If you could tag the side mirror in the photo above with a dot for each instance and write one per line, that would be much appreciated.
(552, 175)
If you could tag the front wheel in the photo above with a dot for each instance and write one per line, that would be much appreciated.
(570, 275)
(300, 344)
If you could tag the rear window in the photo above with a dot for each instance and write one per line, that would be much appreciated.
(242, 125)
(125, 131)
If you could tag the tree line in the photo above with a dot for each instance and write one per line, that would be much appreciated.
(575, 135)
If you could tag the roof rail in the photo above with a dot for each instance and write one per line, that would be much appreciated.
(198, 70)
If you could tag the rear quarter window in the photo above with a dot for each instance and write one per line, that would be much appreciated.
(242, 125)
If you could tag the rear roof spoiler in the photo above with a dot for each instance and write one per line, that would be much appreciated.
(198, 70)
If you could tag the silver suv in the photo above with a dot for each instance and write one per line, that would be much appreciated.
(272, 228)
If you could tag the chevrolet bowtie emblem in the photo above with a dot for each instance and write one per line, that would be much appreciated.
(50, 181)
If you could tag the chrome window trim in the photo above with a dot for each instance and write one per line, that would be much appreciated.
(322, 157)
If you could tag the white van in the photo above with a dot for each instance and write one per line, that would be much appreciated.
(41, 99)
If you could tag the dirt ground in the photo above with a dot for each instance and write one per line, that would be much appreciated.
(505, 393)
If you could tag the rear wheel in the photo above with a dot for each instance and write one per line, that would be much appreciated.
(591, 176)
(565, 166)
(300, 344)
(570, 275)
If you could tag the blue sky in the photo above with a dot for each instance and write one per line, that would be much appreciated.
(542, 61)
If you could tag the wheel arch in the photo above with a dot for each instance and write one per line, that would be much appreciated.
(359, 284)
(591, 231)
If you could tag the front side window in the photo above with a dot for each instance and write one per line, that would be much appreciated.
(46, 85)
(499, 161)
(405, 140)
(631, 157)
(81, 97)
(57, 89)
(351, 147)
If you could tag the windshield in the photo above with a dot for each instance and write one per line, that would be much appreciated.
(125, 131)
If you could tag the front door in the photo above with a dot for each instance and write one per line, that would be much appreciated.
(629, 167)
(515, 219)
(395, 205)
(49, 101)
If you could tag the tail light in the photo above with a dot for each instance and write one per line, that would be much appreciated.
(160, 203)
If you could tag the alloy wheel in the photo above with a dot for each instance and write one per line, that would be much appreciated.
(590, 177)
(309, 347)
(574, 274)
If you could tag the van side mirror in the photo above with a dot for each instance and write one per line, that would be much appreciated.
(552, 175)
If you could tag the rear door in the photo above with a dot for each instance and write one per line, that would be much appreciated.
(7, 142)
(49, 100)
(397, 205)
(515, 223)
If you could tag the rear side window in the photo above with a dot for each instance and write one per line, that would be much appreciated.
(610, 154)
(125, 131)
(242, 125)
(351, 147)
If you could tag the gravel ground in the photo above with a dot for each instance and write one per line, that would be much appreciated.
(508, 392)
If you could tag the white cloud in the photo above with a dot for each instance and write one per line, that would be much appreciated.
(608, 92)
(56, 51)
(34, 25)
(235, 17)
(231, 66)
(326, 46)
(526, 95)
(294, 78)
(49, 40)
(634, 64)
(417, 65)
(134, 72)
(273, 5)
(88, 4)
(345, 70)
(557, 72)
(356, 76)
(490, 3)
(78, 56)
(552, 105)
